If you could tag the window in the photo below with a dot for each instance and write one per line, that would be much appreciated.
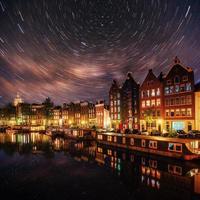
(183, 112)
(172, 113)
(158, 103)
(100, 150)
(132, 141)
(153, 93)
(189, 112)
(123, 140)
(143, 104)
(171, 89)
(189, 126)
(177, 112)
(167, 113)
(158, 92)
(188, 87)
(153, 144)
(109, 152)
(118, 95)
(118, 102)
(167, 126)
(143, 142)
(118, 108)
(177, 88)
(158, 113)
(169, 82)
(189, 99)
(109, 138)
(167, 102)
(148, 93)
(177, 101)
(166, 90)
(115, 138)
(153, 102)
(175, 147)
(100, 137)
(185, 78)
(182, 87)
(118, 116)
(148, 103)
(177, 79)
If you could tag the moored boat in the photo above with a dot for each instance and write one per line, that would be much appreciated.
(186, 149)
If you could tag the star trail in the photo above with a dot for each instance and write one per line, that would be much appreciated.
(71, 50)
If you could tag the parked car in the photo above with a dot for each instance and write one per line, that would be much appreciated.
(194, 134)
(181, 134)
(155, 133)
(136, 131)
(145, 133)
(127, 131)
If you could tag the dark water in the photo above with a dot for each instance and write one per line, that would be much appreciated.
(33, 166)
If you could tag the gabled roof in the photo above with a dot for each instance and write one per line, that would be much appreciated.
(129, 80)
(151, 76)
(177, 63)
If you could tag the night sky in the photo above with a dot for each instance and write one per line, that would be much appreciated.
(71, 50)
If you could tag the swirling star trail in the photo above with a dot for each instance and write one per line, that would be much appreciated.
(70, 50)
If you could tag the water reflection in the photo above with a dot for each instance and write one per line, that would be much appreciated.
(144, 176)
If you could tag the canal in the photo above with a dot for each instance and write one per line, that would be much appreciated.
(35, 166)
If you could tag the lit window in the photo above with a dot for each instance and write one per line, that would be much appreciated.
(158, 102)
(158, 92)
(153, 144)
(183, 112)
(188, 87)
(177, 88)
(177, 112)
(166, 90)
(171, 89)
(143, 104)
(189, 112)
(132, 141)
(119, 116)
(118, 102)
(148, 103)
(153, 93)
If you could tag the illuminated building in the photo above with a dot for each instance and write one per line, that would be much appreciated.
(77, 114)
(179, 105)
(197, 107)
(115, 104)
(17, 100)
(102, 115)
(151, 102)
(130, 103)
(84, 107)
(56, 116)
(37, 116)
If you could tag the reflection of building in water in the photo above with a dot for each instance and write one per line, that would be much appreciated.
(145, 172)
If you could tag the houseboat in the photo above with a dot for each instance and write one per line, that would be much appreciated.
(186, 149)
(78, 134)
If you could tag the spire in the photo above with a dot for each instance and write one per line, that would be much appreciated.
(176, 60)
